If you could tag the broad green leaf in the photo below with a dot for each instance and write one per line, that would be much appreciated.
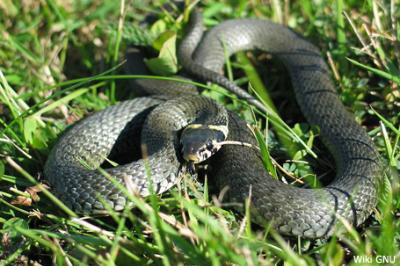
(40, 138)
(158, 27)
(30, 126)
(166, 63)
(159, 42)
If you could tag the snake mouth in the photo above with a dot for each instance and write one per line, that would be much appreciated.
(192, 157)
(201, 154)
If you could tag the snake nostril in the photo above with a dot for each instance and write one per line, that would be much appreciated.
(209, 146)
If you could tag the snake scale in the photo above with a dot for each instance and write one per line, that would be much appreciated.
(310, 213)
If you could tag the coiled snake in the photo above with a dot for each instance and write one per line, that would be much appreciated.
(71, 166)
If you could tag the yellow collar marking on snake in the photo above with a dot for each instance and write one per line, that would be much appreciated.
(221, 128)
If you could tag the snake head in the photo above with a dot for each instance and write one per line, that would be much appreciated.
(200, 142)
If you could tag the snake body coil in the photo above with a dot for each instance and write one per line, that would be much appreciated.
(72, 164)
(294, 211)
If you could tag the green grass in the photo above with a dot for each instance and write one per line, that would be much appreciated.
(61, 60)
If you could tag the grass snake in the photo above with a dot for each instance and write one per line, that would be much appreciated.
(162, 115)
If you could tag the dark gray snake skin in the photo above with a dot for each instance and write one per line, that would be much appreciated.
(310, 213)
(72, 165)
